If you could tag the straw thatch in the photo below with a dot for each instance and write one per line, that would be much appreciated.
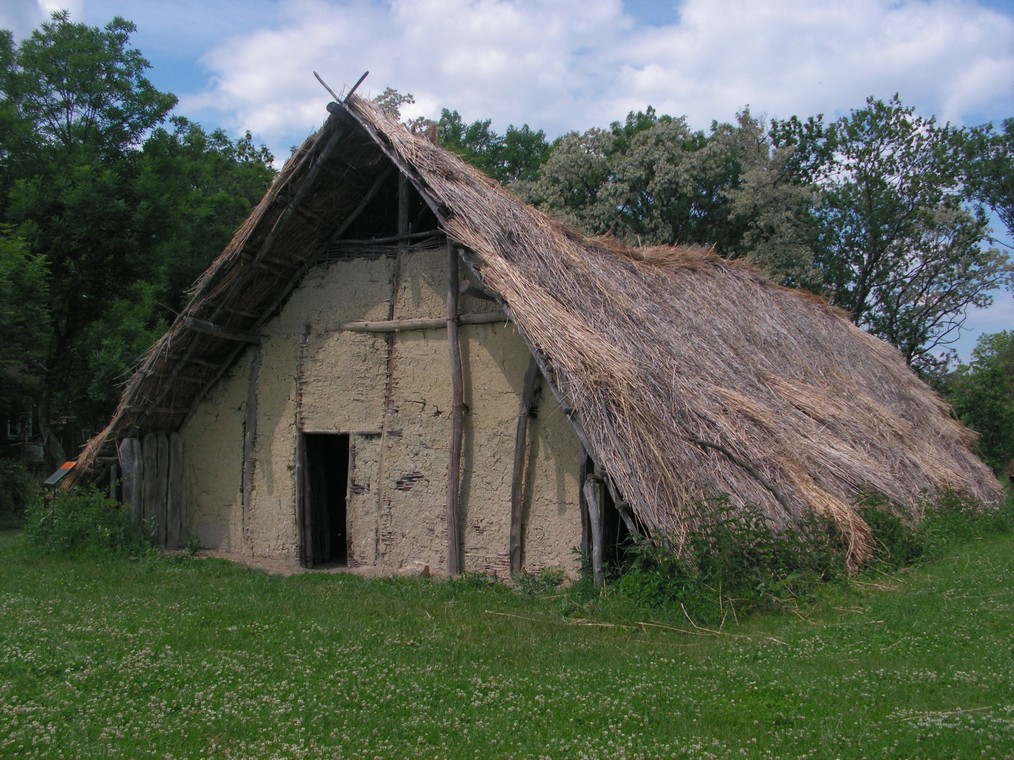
(686, 376)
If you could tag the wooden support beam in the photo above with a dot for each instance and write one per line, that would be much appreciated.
(177, 506)
(114, 476)
(268, 264)
(624, 509)
(403, 206)
(592, 494)
(162, 488)
(457, 417)
(129, 454)
(240, 312)
(149, 480)
(528, 399)
(249, 443)
(195, 360)
(368, 196)
(401, 325)
(220, 331)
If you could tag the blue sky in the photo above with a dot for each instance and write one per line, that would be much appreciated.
(561, 65)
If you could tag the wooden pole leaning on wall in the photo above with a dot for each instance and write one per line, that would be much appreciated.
(593, 497)
(454, 564)
(528, 396)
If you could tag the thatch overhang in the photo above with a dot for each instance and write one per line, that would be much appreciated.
(687, 377)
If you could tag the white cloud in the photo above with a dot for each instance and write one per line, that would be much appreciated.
(49, 7)
(20, 17)
(573, 64)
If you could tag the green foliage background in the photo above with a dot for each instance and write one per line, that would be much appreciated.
(111, 208)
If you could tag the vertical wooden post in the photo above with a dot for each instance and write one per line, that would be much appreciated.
(403, 207)
(457, 415)
(114, 476)
(129, 454)
(592, 494)
(383, 513)
(177, 527)
(249, 443)
(149, 482)
(528, 393)
(303, 524)
(162, 488)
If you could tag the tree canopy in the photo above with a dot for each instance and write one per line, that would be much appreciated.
(982, 393)
(900, 243)
(118, 212)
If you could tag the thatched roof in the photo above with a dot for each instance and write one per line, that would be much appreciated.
(686, 376)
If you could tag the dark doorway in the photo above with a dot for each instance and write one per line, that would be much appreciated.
(325, 537)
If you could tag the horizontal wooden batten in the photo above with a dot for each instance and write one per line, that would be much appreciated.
(408, 237)
(220, 331)
(399, 325)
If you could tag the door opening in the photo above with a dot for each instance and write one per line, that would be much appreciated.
(325, 498)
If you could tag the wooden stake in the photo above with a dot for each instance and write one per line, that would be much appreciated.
(528, 392)
(162, 488)
(302, 513)
(457, 415)
(177, 508)
(592, 490)
(114, 476)
(249, 443)
(129, 453)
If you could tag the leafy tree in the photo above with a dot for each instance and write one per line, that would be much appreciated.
(194, 188)
(771, 213)
(126, 213)
(982, 393)
(24, 320)
(515, 156)
(777, 218)
(897, 243)
(83, 88)
(991, 169)
(648, 180)
(573, 182)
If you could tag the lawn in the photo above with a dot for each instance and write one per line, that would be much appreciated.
(189, 658)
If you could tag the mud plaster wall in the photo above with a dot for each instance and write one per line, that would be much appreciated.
(213, 446)
(397, 499)
(494, 359)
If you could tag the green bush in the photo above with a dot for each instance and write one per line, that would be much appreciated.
(895, 543)
(83, 520)
(16, 489)
(954, 519)
(734, 563)
(536, 584)
(948, 521)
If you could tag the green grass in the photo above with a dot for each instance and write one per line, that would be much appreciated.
(197, 658)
